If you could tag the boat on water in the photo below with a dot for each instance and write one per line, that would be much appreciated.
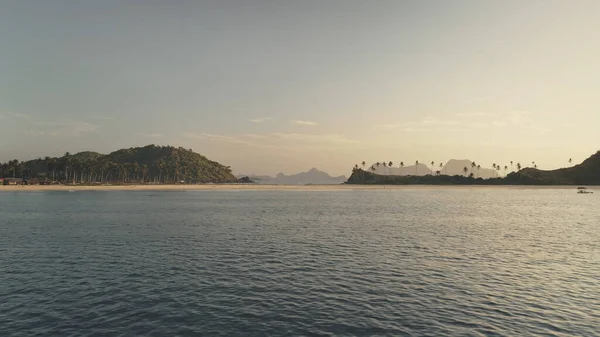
(583, 190)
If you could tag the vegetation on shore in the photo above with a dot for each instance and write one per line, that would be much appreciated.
(586, 173)
(140, 165)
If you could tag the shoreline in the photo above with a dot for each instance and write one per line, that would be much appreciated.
(258, 187)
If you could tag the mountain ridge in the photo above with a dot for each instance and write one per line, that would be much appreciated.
(312, 176)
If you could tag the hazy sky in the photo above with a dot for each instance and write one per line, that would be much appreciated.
(282, 86)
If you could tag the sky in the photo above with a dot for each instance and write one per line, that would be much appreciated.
(284, 86)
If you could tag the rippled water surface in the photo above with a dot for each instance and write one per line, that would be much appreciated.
(409, 262)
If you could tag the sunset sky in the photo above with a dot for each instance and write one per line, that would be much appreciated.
(283, 86)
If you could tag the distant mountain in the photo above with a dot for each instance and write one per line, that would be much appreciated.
(456, 167)
(421, 170)
(312, 176)
(452, 167)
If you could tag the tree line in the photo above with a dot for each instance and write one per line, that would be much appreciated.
(142, 165)
(472, 172)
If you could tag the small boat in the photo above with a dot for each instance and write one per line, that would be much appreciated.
(581, 188)
(584, 192)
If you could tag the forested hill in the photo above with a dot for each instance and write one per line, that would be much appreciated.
(148, 164)
(586, 173)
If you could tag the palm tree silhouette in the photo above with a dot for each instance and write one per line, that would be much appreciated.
(570, 160)
(416, 167)
(466, 170)
(518, 166)
(441, 166)
(511, 166)
(473, 165)
(384, 166)
(377, 163)
(363, 164)
(390, 164)
(478, 168)
(432, 164)
(373, 168)
(505, 168)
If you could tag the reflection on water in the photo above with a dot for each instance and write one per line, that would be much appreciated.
(259, 263)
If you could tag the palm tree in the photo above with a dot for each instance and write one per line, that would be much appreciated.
(363, 164)
(432, 165)
(473, 165)
(373, 168)
(494, 167)
(466, 170)
(384, 166)
(518, 166)
(441, 166)
(377, 164)
(478, 168)
(416, 167)
(511, 166)
(570, 160)
(144, 171)
(505, 168)
(390, 164)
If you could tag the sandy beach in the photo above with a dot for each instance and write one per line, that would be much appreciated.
(258, 187)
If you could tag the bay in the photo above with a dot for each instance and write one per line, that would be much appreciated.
(402, 262)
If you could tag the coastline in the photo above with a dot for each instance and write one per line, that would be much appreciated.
(258, 187)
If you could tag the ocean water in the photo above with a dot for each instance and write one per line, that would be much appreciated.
(407, 262)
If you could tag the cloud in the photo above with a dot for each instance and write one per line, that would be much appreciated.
(252, 135)
(472, 114)
(13, 114)
(307, 123)
(277, 140)
(417, 130)
(539, 128)
(517, 117)
(71, 129)
(261, 120)
(19, 115)
(63, 129)
(426, 123)
(150, 135)
(322, 139)
(213, 137)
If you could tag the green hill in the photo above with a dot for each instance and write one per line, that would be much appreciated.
(586, 173)
(148, 164)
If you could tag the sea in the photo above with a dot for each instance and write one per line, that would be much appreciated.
(479, 261)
